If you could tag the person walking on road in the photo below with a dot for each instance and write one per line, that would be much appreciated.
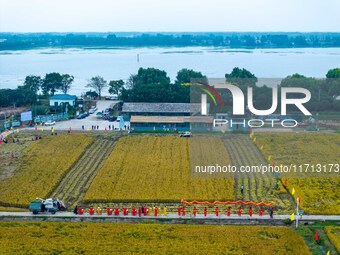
(271, 212)
(75, 211)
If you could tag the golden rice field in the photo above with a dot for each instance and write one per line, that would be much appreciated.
(157, 168)
(333, 233)
(108, 238)
(320, 194)
(41, 167)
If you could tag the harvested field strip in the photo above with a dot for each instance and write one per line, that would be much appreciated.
(257, 186)
(74, 185)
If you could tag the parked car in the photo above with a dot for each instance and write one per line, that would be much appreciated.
(185, 134)
(81, 116)
(112, 118)
(106, 116)
(86, 114)
(99, 113)
(115, 97)
(50, 123)
(92, 110)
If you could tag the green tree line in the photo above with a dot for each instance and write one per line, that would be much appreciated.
(154, 85)
(14, 41)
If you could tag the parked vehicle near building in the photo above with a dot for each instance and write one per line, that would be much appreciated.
(50, 123)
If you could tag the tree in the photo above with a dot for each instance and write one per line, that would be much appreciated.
(320, 100)
(241, 77)
(66, 82)
(97, 83)
(116, 86)
(20, 97)
(92, 94)
(167, 93)
(149, 76)
(51, 83)
(333, 73)
(186, 75)
(333, 83)
(33, 83)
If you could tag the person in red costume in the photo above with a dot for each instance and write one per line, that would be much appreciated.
(205, 212)
(116, 211)
(261, 211)
(126, 211)
(194, 211)
(228, 211)
(183, 211)
(91, 210)
(239, 211)
(139, 211)
(133, 211)
(250, 211)
(216, 211)
(80, 210)
(179, 211)
(155, 212)
(109, 211)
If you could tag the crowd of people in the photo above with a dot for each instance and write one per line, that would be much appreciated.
(155, 211)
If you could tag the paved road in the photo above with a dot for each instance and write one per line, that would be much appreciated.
(88, 122)
(173, 216)
(92, 120)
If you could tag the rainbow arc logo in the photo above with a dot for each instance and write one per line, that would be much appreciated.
(212, 92)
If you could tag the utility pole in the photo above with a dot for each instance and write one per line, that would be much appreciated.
(297, 212)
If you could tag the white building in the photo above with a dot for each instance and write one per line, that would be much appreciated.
(58, 99)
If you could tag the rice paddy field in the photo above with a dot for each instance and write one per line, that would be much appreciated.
(107, 238)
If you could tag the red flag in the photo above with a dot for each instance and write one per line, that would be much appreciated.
(316, 236)
(298, 201)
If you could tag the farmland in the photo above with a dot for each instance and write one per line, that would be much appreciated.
(320, 194)
(157, 168)
(333, 234)
(76, 182)
(9, 164)
(41, 167)
(153, 169)
(106, 238)
(257, 186)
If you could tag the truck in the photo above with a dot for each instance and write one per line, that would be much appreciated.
(46, 205)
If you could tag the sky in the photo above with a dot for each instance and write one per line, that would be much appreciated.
(169, 15)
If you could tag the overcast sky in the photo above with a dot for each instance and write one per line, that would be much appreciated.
(169, 15)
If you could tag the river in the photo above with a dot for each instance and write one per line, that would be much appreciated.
(120, 63)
